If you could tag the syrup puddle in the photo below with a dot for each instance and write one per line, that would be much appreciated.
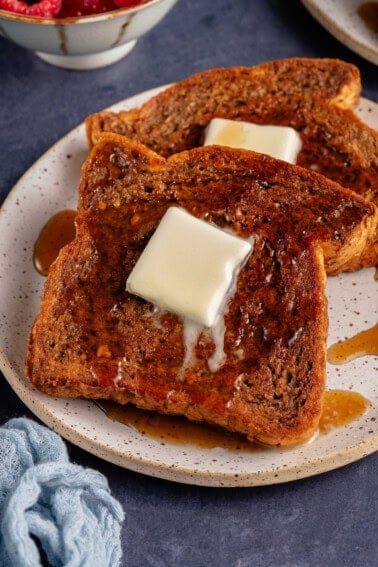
(57, 232)
(173, 429)
(340, 408)
(362, 344)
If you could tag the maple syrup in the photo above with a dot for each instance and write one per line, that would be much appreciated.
(174, 429)
(57, 232)
(362, 344)
(341, 407)
(368, 12)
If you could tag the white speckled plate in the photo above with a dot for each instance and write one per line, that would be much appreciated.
(342, 19)
(50, 186)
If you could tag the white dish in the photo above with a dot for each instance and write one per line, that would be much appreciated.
(50, 186)
(343, 21)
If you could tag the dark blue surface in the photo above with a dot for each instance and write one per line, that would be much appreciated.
(328, 520)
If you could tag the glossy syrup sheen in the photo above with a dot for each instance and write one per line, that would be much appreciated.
(173, 429)
(362, 344)
(340, 407)
(57, 232)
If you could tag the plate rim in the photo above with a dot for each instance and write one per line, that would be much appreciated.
(348, 39)
(151, 467)
(279, 475)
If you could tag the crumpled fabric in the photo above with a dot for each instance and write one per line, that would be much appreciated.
(68, 509)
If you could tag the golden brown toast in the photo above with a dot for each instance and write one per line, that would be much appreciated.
(314, 96)
(93, 339)
(181, 112)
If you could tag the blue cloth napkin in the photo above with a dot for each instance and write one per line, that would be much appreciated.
(66, 507)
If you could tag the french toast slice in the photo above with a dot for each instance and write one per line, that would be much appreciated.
(313, 96)
(93, 339)
(180, 113)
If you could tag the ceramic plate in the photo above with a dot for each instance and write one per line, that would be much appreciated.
(49, 186)
(353, 22)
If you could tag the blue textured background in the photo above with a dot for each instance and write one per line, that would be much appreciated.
(328, 520)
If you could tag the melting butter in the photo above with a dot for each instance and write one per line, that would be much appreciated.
(191, 334)
(218, 358)
(190, 267)
(192, 331)
(187, 266)
(280, 142)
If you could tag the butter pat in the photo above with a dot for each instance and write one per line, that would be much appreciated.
(281, 142)
(188, 266)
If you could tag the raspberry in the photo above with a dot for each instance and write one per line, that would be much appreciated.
(66, 8)
(42, 9)
(73, 8)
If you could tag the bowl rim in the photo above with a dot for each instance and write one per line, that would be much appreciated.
(16, 17)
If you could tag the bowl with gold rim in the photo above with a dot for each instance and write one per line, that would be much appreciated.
(85, 41)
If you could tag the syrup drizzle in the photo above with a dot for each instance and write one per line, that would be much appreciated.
(362, 344)
(173, 429)
(340, 407)
(57, 232)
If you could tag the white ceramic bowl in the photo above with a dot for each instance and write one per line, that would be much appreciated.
(84, 42)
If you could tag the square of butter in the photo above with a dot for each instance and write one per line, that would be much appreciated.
(280, 142)
(188, 266)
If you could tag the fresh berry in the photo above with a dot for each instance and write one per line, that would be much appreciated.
(73, 8)
(66, 8)
(42, 9)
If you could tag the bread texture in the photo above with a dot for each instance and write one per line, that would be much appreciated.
(182, 111)
(93, 339)
(316, 97)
